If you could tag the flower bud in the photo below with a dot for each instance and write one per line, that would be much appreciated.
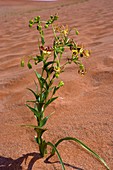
(56, 75)
(39, 27)
(76, 31)
(22, 63)
(61, 83)
(46, 26)
(29, 65)
(30, 25)
(31, 22)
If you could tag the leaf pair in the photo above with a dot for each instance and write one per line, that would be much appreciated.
(42, 81)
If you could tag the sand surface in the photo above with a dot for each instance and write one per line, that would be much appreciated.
(85, 106)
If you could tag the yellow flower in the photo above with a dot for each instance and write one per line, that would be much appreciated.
(47, 50)
(57, 69)
(65, 30)
(87, 53)
(75, 52)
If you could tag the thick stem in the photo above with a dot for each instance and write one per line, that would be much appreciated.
(42, 145)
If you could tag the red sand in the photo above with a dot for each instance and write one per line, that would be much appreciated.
(85, 106)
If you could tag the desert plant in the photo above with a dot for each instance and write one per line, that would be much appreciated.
(54, 62)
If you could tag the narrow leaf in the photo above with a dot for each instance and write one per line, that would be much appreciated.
(60, 159)
(49, 101)
(36, 128)
(85, 147)
(41, 80)
(32, 101)
(48, 63)
(36, 113)
(32, 126)
(55, 89)
(43, 122)
(38, 75)
(36, 96)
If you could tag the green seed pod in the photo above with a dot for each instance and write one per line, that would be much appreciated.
(76, 31)
(30, 25)
(29, 65)
(39, 28)
(35, 18)
(38, 18)
(46, 26)
(55, 17)
(22, 63)
(81, 66)
(56, 75)
(31, 22)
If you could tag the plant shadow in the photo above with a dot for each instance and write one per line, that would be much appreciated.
(66, 164)
(16, 164)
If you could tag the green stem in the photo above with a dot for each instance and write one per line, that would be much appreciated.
(54, 31)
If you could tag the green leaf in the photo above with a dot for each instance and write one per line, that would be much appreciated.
(39, 132)
(36, 113)
(43, 121)
(49, 101)
(36, 86)
(44, 96)
(84, 146)
(60, 159)
(41, 80)
(59, 50)
(48, 63)
(39, 58)
(34, 126)
(38, 129)
(55, 89)
(38, 75)
(36, 96)
(31, 101)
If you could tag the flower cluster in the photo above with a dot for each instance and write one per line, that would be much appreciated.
(62, 29)
(46, 50)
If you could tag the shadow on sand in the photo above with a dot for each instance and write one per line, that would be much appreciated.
(16, 164)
